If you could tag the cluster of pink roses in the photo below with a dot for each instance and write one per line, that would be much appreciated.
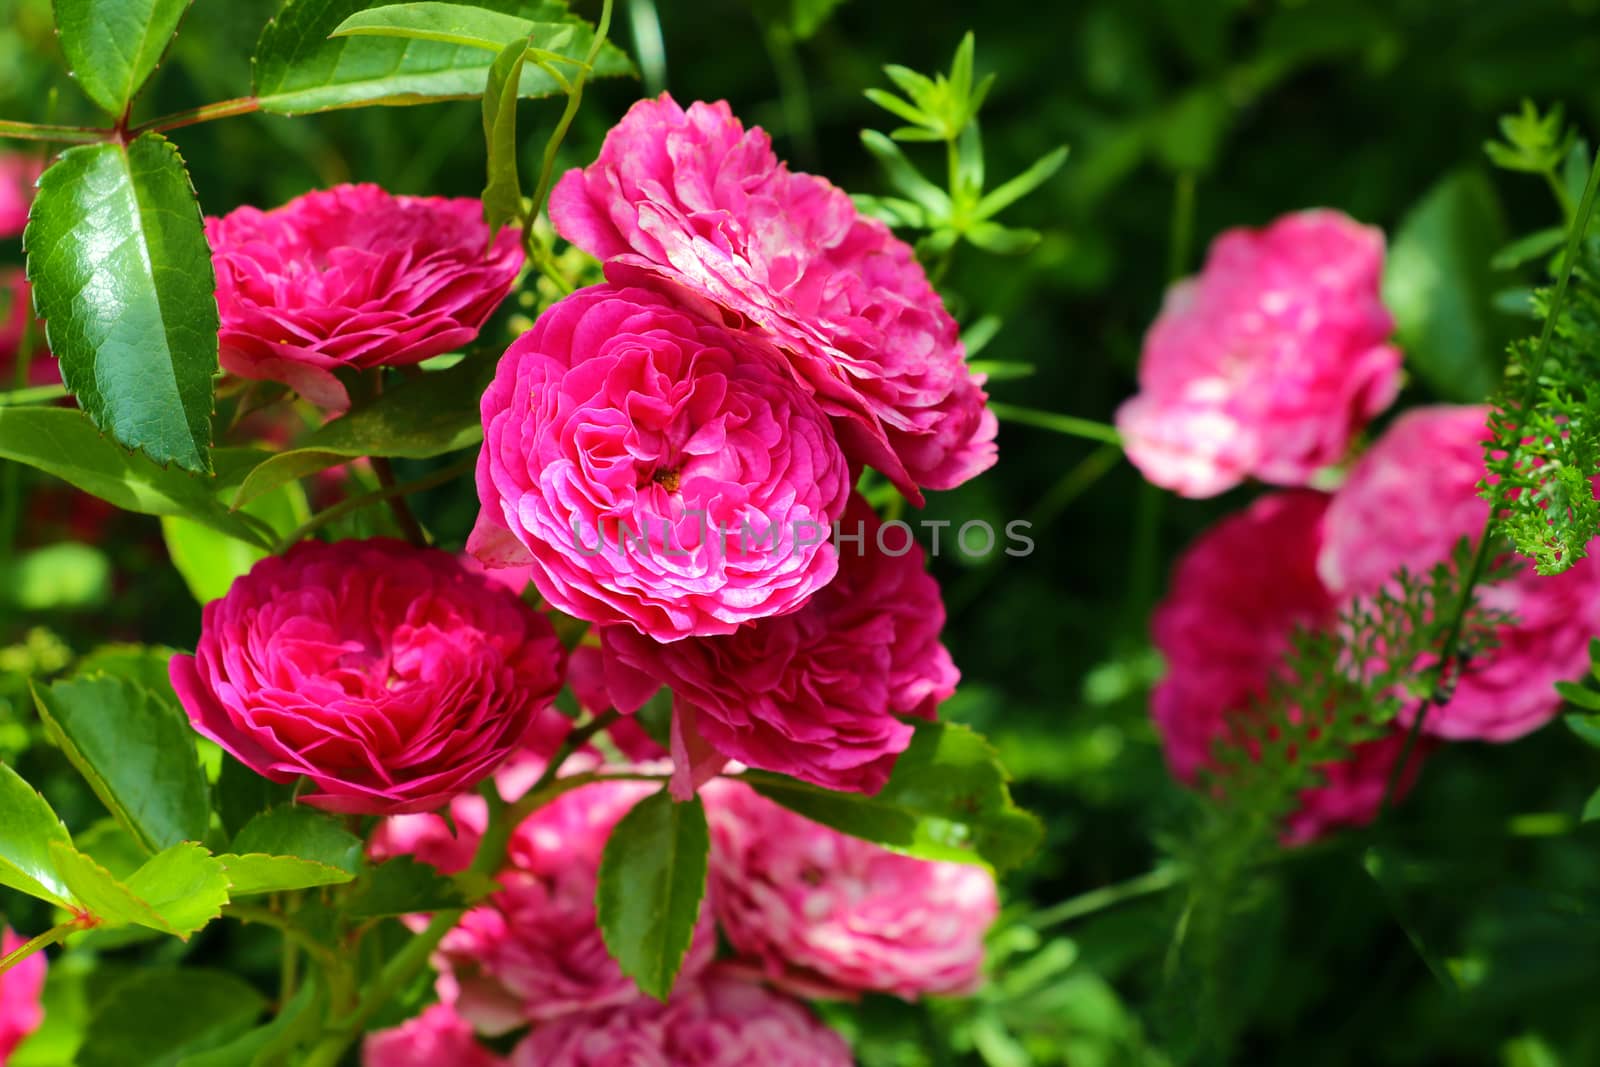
(1266, 365)
(805, 912)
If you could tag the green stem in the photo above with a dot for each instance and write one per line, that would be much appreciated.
(1157, 881)
(376, 496)
(34, 131)
(50, 937)
(1181, 239)
(292, 932)
(33, 395)
(574, 99)
(223, 109)
(1049, 420)
(403, 515)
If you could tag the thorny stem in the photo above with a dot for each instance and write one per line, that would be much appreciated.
(34, 131)
(223, 109)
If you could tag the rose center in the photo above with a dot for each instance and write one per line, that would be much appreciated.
(666, 479)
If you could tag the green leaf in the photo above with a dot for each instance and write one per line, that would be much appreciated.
(28, 830)
(1591, 809)
(184, 884)
(1536, 244)
(898, 107)
(905, 177)
(255, 873)
(1587, 727)
(402, 886)
(502, 194)
(114, 45)
(1438, 284)
(302, 833)
(1001, 370)
(298, 68)
(210, 561)
(122, 275)
(947, 799)
(462, 24)
(66, 576)
(1003, 240)
(136, 751)
(265, 1045)
(420, 418)
(652, 879)
(156, 1019)
(143, 665)
(242, 794)
(1023, 184)
(64, 444)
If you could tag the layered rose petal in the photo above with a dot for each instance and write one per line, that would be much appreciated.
(824, 914)
(1268, 362)
(1407, 503)
(534, 951)
(656, 469)
(392, 677)
(354, 278)
(436, 1038)
(1236, 597)
(20, 990)
(694, 198)
(818, 694)
(720, 1021)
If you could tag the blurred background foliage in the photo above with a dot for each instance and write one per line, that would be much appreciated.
(1466, 930)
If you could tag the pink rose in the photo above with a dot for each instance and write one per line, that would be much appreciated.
(1407, 503)
(391, 676)
(656, 469)
(695, 199)
(819, 694)
(534, 951)
(17, 175)
(1267, 363)
(436, 1038)
(1236, 596)
(720, 1021)
(826, 915)
(20, 989)
(354, 278)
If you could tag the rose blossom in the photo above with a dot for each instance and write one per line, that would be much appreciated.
(1237, 594)
(354, 278)
(20, 988)
(1407, 503)
(17, 175)
(436, 1038)
(656, 469)
(694, 198)
(1268, 362)
(823, 914)
(817, 694)
(533, 951)
(720, 1021)
(391, 676)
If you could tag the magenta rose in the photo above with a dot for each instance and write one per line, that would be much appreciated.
(693, 198)
(17, 175)
(719, 1021)
(20, 990)
(436, 1038)
(533, 951)
(656, 469)
(352, 278)
(1237, 594)
(391, 676)
(822, 914)
(1267, 363)
(819, 694)
(1408, 502)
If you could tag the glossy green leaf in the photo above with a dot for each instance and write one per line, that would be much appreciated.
(298, 68)
(64, 444)
(122, 275)
(948, 799)
(502, 193)
(158, 1018)
(184, 884)
(28, 830)
(652, 880)
(402, 886)
(242, 794)
(102, 894)
(302, 833)
(420, 418)
(137, 752)
(1437, 282)
(114, 45)
(255, 873)
(464, 24)
(143, 665)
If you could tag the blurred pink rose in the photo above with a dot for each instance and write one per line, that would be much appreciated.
(391, 676)
(818, 694)
(17, 175)
(694, 198)
(656, 469)
(354, 278)
(1237, 594)
(826, 915)
(20, 989)
(1407, 503)
(436, 1038)
(1267, 363)
(534, 952)
(720, 1021)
